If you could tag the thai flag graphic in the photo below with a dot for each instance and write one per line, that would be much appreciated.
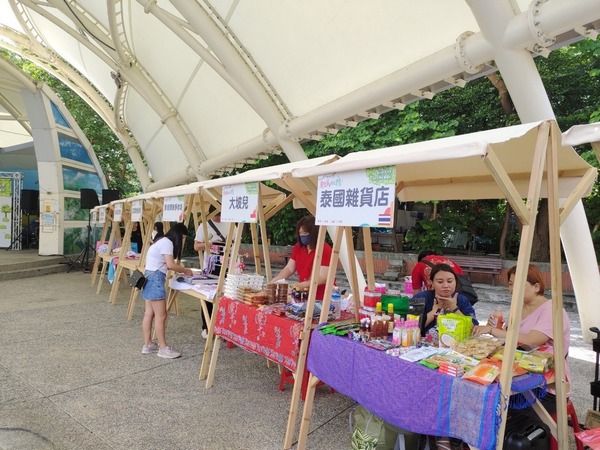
(385, 219)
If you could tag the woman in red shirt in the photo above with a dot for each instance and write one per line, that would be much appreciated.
(303, 257)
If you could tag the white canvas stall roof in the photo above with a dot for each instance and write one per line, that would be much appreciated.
(582, 134)
(204, 85)
(271, 173)
(453, 168)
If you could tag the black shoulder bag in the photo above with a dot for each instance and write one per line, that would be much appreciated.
(137, 280)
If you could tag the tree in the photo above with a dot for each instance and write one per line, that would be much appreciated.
(113, 158)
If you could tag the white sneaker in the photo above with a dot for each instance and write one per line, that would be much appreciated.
(204, 334)
(151, 348)
(168, 352)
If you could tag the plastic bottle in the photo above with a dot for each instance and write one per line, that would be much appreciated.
(336, 302)
(397, 333)
(496, 319)
(405, 338)
(376, 330)
(416, 332)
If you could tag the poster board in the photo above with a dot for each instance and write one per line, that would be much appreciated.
(361, 198)
(118, 212)
(239, 203)
(173, 208)
(136, 210)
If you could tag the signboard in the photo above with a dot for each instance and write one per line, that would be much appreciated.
(102, 215)
(363, 198)
(136, 211)
(118, 212)
(5, 212)
(239, 203)
(173, 208)
(94, 218)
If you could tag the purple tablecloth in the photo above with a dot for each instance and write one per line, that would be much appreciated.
(406, 394)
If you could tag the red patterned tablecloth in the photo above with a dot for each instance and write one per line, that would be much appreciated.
(274, 337)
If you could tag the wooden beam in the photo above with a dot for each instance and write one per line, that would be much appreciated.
(368, 252)
(352, 261)
(305, 337)
(506, 185)
(288, 199)
(582, 187)
(262, 222)
(208, 346)
(255, 248)
(557, 299)
(524, 257)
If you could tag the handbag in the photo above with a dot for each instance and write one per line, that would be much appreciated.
(137, 280)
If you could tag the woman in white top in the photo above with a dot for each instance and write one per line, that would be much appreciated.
(161, 257)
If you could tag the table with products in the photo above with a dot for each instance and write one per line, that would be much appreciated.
(407, 394)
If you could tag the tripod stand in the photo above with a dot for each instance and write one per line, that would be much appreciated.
(83, 259)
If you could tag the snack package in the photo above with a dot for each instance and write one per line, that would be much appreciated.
(478, 347)
(453, 328)
(536, 362)
(517, 371)
(483, 373)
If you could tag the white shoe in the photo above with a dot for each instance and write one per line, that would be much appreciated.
(204, 334)
(147, 349)
(168, 352)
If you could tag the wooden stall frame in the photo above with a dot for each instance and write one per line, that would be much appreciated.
(545, 158)
(103, 236)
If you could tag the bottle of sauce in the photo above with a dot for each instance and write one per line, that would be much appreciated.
(390, 308)
(378, 324)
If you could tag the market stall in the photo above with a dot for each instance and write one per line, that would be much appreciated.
(99, 219)
(278, 338)
(142, 210)
(104, 249)
(524, 161)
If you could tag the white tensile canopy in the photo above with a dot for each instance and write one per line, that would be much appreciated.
(196, 87)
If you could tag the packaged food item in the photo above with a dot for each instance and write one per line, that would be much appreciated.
(517, 371)
(478, 347)
(453, 328)
(536, 362)
(483, 373)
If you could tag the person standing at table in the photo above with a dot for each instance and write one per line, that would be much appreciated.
(303, 257)
(160, 258)
(217, 235)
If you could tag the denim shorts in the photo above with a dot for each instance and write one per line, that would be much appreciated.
(154, 289)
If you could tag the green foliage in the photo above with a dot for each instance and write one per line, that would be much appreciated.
(113, 158)
(281, 228)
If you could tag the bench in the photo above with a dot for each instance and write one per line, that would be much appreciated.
(472, 264)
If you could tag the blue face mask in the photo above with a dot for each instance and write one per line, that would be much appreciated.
(305, 239)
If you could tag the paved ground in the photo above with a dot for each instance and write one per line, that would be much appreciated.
(72, 377)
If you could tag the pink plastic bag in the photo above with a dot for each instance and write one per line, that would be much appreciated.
(590, 438)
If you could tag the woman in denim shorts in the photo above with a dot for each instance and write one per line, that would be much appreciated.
(160, 258)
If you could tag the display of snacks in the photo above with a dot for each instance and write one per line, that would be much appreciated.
(453, 328)
(450, 356)
(234, 283)
(483, 373)
(478, 347)
(536, 362)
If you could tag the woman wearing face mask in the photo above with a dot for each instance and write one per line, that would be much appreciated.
(303, 257)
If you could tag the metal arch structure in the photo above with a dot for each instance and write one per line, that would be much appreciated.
(274, 76)
(43, 57)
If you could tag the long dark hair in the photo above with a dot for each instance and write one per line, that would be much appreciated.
(175, 234)
(160, 231)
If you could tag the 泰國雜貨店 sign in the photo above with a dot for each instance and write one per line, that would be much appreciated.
(239, 203)
(362, 198)
(118, 212)
(102, 215)
(136, 211)
(173, 208)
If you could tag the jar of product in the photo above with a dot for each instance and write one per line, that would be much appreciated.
(371, 298)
